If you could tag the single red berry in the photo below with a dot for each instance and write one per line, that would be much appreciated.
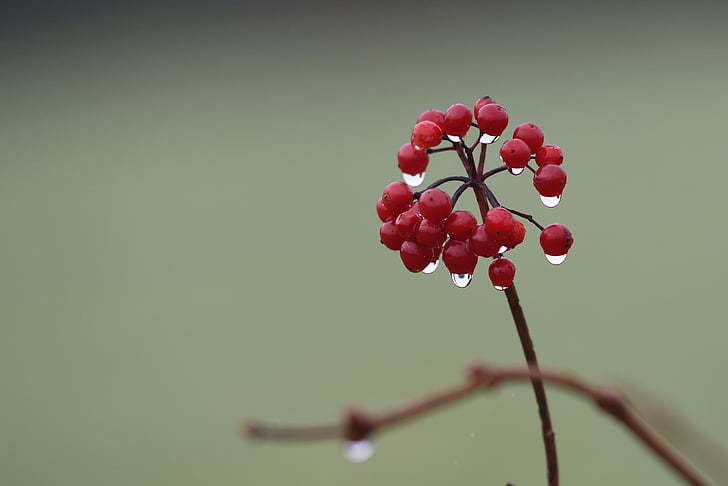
(549, 154)
(518, 234)
(499, 224)
(457, 120)
(458, 257)
(431, 233)
(407, 223)
(531, 134)
(397, 196)
(415, 256)
(412, 161)
(550, 180)
(382, 211)
(556, 239)
(460, 224)
(482, 244)
(389, 236)
(515, 153)
(492, 119)
(426, 134)
(435, 116)
(435, 204)
(502, 271)
(481, 102)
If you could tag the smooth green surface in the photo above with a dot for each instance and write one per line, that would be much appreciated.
(189, 238)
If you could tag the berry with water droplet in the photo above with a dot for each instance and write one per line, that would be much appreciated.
(397, 196)
(531, 134)
(517, 235)
(498, 224)
(431, 233)
(415, 257)
(412, 161)
(492, 119)
(458, 257)
(481, 102)
(550, 180)
(515, 153)
(460, 225)
(408, 222)
(389, 236)
(502, 271)
(482, 244)
(556, 239)
(435, 204)
(457, 120)
(426, 134)
(435, 116)
(549, 154)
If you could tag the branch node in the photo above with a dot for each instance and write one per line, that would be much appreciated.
(482, 374)
(611, 400)
(358, 425)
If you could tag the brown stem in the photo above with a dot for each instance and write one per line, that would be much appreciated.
(483, 377)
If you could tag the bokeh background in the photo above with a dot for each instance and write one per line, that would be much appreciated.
(187, 202)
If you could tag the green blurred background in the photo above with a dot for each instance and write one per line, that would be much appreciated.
(189, 238)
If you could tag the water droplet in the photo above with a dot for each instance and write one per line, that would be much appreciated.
(498, 287)
(556, 259)
(516, 170)
(358, 451)
(431, 267)
(453, 138)
(485, 138)
(462, 280)
(550, 201)
(503, 249)
(413, 180)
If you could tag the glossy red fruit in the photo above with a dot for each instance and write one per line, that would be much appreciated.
(482, 244)
(426, 134)
(515, 153)
(458, 257)
(435, 116)
(397, 196)
(501, 271)
(457, 120)
(499, 224)
(435, 204)
(412, 161)
(389, 236)
(492, 119)
(415, 256)
(485, 100)
(550, 180)
(517, 235)
(431, 233)
(549, 154)
(556, 239)
(460, 225)
(407, 223)
(382, 211)
(531, 134)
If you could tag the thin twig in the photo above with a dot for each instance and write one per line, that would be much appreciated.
(444, 149)
(481, 161)
(458, 192)
(525, 216)
(495, 171)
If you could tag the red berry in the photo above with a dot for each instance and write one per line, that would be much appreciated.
(482, 244)
(549, 154)
(382, 211)
(550, 180)
(518, 234)
(415, 256)
(457, 120)
(502, 271)
(531, 134)
(435, 116)
(492, 119)
(556, 239)
(407, 223)
(389, 236)
(412, 161)
(435, 204)
(499, 224)
(458, 257)
(485, 100)
(515, 153)
(431, 233)
(460, 224)
(397, 196)
(426, 134)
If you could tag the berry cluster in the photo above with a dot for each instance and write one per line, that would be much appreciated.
(423, 227)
